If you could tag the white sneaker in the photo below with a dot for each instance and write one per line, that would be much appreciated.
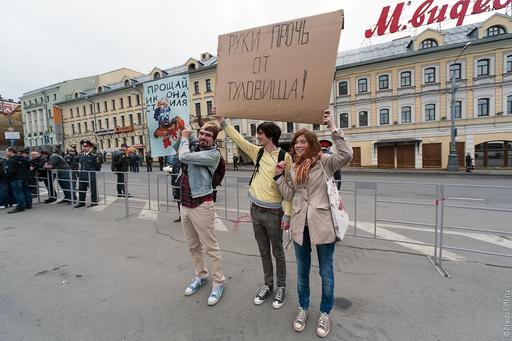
(2, 207)
(299, 323)
(324, 325)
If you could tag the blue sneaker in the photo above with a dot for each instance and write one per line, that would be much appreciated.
(216, 294)
(196, 283)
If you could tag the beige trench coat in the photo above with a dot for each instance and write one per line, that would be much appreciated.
(310, 200)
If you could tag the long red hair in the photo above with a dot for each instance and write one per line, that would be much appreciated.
(314, 149)
(311, 155)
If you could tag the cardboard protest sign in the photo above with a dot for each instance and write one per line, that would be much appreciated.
(279, 72)
(166, 101)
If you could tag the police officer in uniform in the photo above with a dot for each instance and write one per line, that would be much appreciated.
(120, 165)
(90, 163)
(71, 158)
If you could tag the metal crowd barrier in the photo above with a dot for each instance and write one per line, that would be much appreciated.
(372, 211)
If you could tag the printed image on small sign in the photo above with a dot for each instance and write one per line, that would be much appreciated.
(280, 72)
(166, 101)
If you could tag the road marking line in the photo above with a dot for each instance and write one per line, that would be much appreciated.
(102, 205)
(482, 236)
(466, 199)
(403, 241)
(147, 214)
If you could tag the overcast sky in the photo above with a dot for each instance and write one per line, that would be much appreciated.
(45, 42)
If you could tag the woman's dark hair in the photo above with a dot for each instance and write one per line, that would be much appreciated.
(271, 131)
(314, 148)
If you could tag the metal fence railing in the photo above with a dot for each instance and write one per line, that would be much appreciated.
(436, 223)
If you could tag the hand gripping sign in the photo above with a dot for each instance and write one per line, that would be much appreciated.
(279, 72)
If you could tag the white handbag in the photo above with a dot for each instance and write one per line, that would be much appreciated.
(338, 212)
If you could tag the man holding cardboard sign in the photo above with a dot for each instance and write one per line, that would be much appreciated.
(279, 72)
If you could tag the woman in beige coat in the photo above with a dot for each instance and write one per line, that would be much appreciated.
(311, 222)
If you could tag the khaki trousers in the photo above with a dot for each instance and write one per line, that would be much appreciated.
(199, 230)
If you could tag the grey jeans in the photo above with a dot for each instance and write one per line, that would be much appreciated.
(266, 224)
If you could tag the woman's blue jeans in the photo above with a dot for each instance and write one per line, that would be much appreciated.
(325, 254)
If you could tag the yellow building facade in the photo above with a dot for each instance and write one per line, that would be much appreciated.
(394, 99)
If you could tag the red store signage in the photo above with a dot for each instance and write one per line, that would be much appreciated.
(428, 13)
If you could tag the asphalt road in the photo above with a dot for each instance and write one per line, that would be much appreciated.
(97, 274)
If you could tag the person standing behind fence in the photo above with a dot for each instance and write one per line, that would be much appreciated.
(57, 163)
(17, 170)
(120, 165)
(37, 165)
(90, 163)
(161, 163)
(311, 223)
(199, 161)
(149, 162)
(71, 158)
(5, 191)
(235, 162)
(267, 214)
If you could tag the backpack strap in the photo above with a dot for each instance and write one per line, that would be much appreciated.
(282, 155)
(257, 165)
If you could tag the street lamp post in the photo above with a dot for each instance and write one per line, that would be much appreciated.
(452, 157)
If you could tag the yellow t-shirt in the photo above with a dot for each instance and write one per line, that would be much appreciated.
(263, 187)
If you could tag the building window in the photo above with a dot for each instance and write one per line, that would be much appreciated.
(209, 107)
(362, 85)
(428, 43)
(137, 97)
(384, 116)
(113, 104)
(121, 103)
(77, 112)
(54, 97)
(483, 107)
(72, 128)
(342, 88)
(105, 106)
(509, 105)
(156, 76)
(114, 122)
(482, 67)
(107, 124)
(124, 140)
(316, 126)
(406, 115)
(363, 118)
(495, 31)
(99, 125)
(430, 75)
(458, 109)
(71, 112)
(198, 109)
(91, 108)
(289, 127)
(430, 112)
(455, 71)
(84, 110)
(129, 101)
(123, 121)
(208, 85)
(133, 140)
(237, 128)
(109, 143)
(196, 88)
(93, 126)
(130, 118)
(406, 78)
(509, 63)
(139, 118)
(384, 82)
(253, 129)
(344, 120)
(85, 126)
(97, 107)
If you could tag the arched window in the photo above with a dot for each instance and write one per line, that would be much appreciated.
(157, 75)
(192, 66)
(428, 43)
(495, 31)
(127, 82)
(100, 89)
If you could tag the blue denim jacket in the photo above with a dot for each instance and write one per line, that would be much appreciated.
(198, 163)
